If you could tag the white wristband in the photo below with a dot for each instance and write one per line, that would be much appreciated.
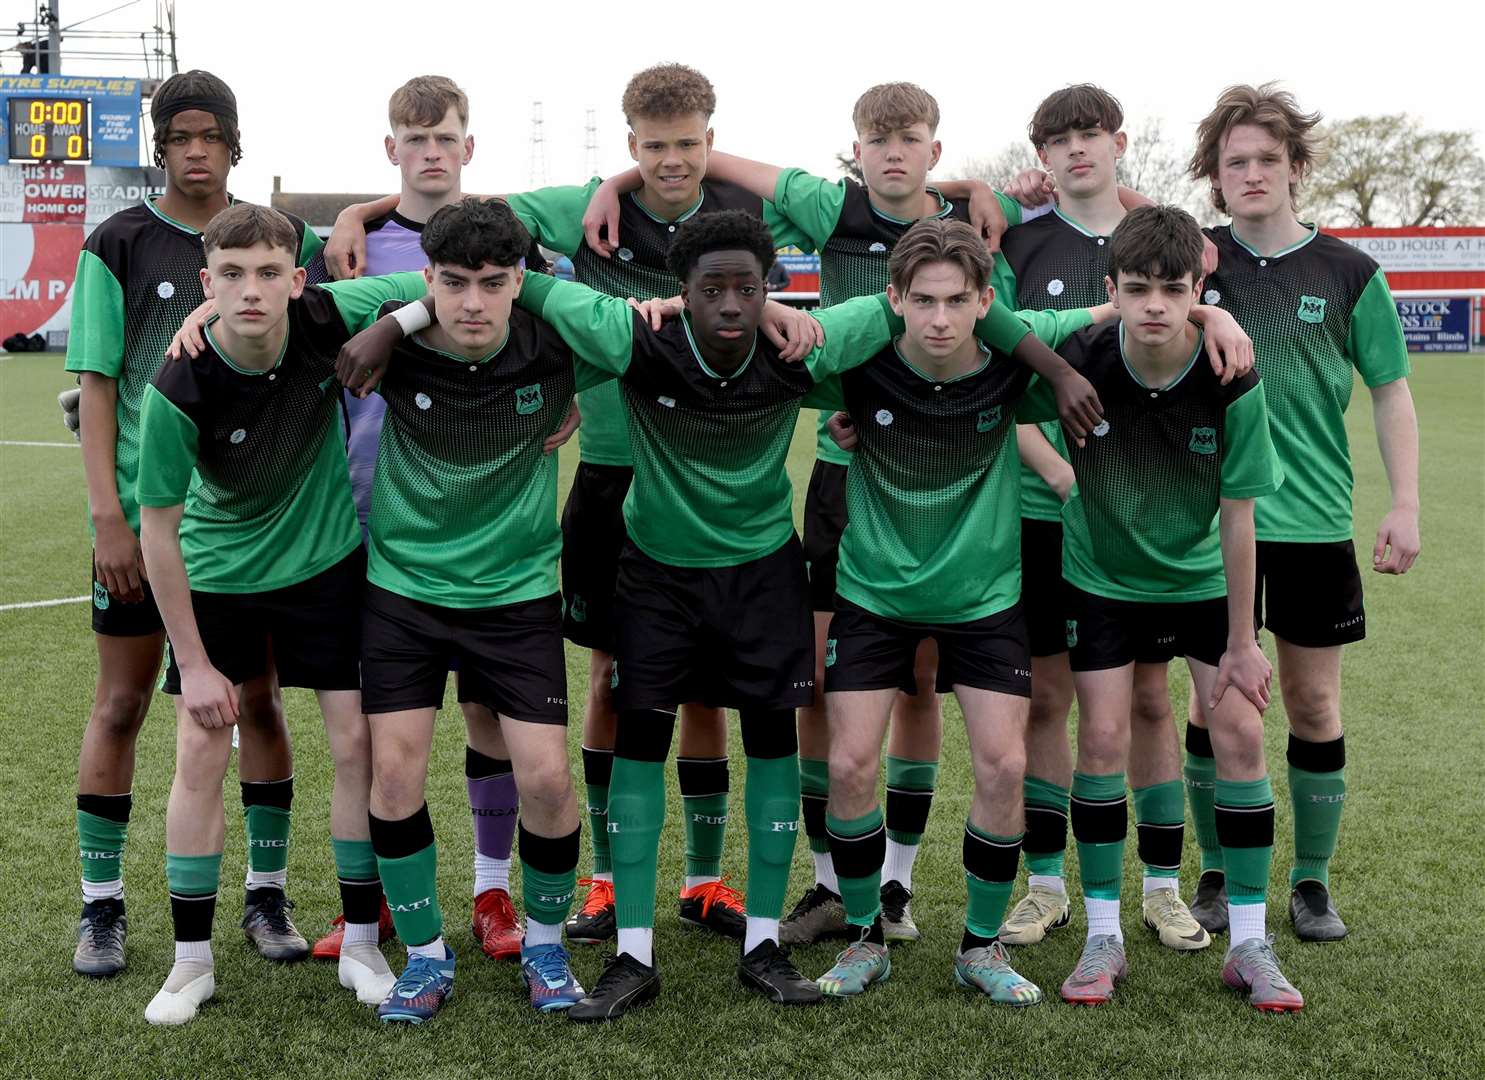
(412, 318)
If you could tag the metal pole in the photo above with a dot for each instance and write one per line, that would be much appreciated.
(54, 37)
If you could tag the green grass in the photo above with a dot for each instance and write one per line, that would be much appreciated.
(1400, 997)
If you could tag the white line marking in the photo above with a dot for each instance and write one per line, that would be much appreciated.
(22, 442)
(45, 603)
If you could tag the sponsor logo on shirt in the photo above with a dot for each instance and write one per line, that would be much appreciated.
(668, 402)
(165, 290)
(1055, 287)
(529, 399)
(1203, 440)
(884, 417)
(237, 436)
(1101, 429)
(1211, 296)
(625, 254)
(1312, 309)
(987, 419)
(877, 248)
(423, 401)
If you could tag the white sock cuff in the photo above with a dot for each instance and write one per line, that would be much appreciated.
(359, 933)
(193, 950)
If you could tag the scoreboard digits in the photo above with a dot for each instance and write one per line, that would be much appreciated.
(48, 129)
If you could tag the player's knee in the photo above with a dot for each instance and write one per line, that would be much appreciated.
(350, 748)
(1000, 768)
(1050, 704)
(201, 757)
(119, 713)
(1150, 707)
(260, 708)
(1313, 708)
(853, 773)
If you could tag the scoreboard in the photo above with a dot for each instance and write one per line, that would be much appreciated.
(71, 119)
(48, 129)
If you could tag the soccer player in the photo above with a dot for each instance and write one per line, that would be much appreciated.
(712, 592)
(854, 228)
(668, 108)
(1158, 555)
(469, 405)
(249, 533)
(137, 277)
(1317, 310)
(1060, 261)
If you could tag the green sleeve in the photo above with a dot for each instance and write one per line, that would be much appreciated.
(810, 204)
(1003, 280)
(1375, 343)
(1039, 405)
(828, 394)
(1052, 328)
(359, 299)
(1250, 466)
(167, 451)
(554, 215)
(1011, 208)
(599, 328)
(310, 245)
(855, 331)
(95, 341)
(587, 375)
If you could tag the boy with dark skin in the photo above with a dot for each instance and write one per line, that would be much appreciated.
(138, 276)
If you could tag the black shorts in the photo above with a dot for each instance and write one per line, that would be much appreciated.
(736, 637)
(1309, 594)
(113, 617)
(592, 536)
(1106, 633)
(871, 652)
(1045, 596)
(824, 522)
(510, 657)
(311, 631)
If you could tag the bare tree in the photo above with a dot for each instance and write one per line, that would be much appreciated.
(998, 168)
(1390, 170)
(1156, 168)
(846, 162)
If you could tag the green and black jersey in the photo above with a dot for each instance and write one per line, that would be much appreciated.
(1142, 520)
(138, 277)
(710, 487)
(855, 242)
(554, 217)
(464, 503)
(932, 495)
(258, 457)
(1050, 262)
(1315, 312)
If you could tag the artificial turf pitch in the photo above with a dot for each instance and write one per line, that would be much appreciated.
(1402, 996)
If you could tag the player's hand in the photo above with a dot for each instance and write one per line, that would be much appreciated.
(569, 425)
(987, 216)
(1397, 543)
(69, 400)
(795, 333)
(363, 360)
(601, 219)
(190, 339)
(1229, 349)
(1077, 405)
(1032, 188)
(1243, 668)
(843, 430)
(1061, 482)
(117, 560)
(208, 696)
(345, 251)
(1209, 257)
(657, 310)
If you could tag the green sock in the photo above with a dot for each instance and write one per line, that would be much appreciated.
(1099, 809)
(411, 887)
(1248, 865)
(598, 827)
(636, 813)
(1046, 826)
(771, 802)
(814, 783)
(1317, 799)
(1201, 781)
(100, 844)
(548, 897)
(910, 787)
(354, 859)
(267, 829)
(989, 899)
(1160, 823)
(706, 834)
(193, 875)
(862, 894)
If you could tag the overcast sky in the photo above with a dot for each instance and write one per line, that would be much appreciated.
(312, 77)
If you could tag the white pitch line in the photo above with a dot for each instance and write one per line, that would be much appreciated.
(45, 603)
(22, 442)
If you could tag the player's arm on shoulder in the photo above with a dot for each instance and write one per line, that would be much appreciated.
(990, 212)
(358, 301)
(1038, 452)
(363, 359)
(1243, 666)
(345, 251)
(554, 215)
(596, 327)
(1077, 401)
(1229, 349)
(855, 331)
(809, 204)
